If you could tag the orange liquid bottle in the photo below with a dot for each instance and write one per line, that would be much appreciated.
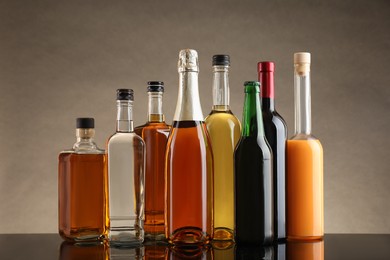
(305, 196)
(155, 134)
(305, 250)
(82, 187)
(189, 164)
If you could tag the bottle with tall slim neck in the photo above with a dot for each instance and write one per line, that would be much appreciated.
(276, 133)
(254, 204)
(189, 163)
(155, 135)
(224, 130)
(305, 198)
(81, 187)
(126, 164)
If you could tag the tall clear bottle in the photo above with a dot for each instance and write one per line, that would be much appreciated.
(189, 163)
(224, 129)
(81, 187)
(126, 164)
(276, 133)
(305, 197)
(155, 135)
(254, 204)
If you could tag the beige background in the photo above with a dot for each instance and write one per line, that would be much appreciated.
(64, 59)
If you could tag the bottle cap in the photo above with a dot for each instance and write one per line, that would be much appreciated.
(302, 62)
(268, 66)
(125, 94)
(221, 59)
(188, 61)
(155, 86)
(85, 122)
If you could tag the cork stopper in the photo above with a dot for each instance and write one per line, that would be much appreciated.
(302, 62)
(188, 61)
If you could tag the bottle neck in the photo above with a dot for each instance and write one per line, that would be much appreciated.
(155, 112)
(302, 103)
(252, 117)
(124, 119)
(188, 106)
(267, 92)
(85, 140)
(221, 88)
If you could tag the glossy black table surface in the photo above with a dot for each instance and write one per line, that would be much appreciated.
(334, 246)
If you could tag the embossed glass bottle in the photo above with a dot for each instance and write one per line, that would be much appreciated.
(126, 164)
(189, 163)
(81, 187)
(155, 135)
(224, 130)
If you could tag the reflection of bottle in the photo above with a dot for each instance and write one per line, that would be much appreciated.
(189, 163)
(223, 250)
(122, 253)
(190, 252)
(155, 135)
(253, 176)
(305, 250)
(156, 251)
(254, 252)
(276, 132)
(81, 187)
(280, 251)
(125, 177)
(305, 198)
(84, 251)
(224, 130)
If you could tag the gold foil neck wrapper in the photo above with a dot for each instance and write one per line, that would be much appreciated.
(188, 61)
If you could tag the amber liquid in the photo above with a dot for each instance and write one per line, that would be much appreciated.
(308, 250)
(189, 184)
(155, 136)
(305, 197)
(82, 196)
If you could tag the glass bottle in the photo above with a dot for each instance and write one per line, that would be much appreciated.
(305, 197)
(253, 176)
(81, 187)
(276, 133)
(224, 130)
(305, 250)
(126, 164)
(189, 163)
(155, 135)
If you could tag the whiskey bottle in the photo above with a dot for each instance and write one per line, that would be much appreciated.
(81, 187)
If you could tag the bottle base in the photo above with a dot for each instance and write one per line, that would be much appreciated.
(305, 238)
(189, 236)
(82, 236)
(155, 236)
(223, 234)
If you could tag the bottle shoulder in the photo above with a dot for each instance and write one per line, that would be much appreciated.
(226, 117)
(251, 143)
(128, 137)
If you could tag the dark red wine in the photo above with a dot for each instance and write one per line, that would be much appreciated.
(253, 176)
(276, 133)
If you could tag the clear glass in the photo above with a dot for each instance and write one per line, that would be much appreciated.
(155, 135)
(126, 164)
(224, 130)
(302, 105)
(82, 190)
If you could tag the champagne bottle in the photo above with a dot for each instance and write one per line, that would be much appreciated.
(305, 197)
(224, 130)
(254, 205)
(189, 163)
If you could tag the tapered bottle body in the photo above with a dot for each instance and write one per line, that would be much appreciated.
(254, 203)
(126, 163)
(81, 187)
(155, 135)
(224, 129)
(189, 164)
(275, 130)
(305, 201)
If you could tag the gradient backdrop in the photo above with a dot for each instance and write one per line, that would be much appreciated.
(64, 59)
